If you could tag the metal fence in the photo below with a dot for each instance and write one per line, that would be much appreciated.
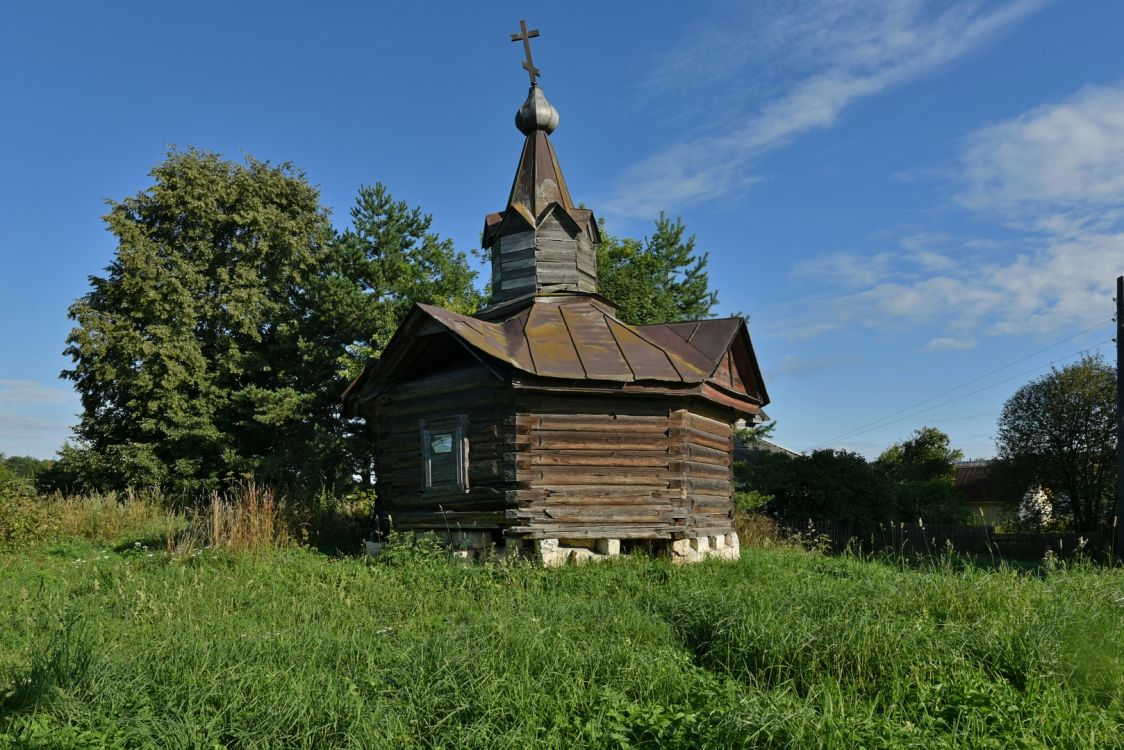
(930, 539)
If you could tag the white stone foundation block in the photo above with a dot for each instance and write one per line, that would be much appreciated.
(551, 554)
(581, 554)
(375, 548)
(555, 552)
(683, 551)
(733, 549)
(723, 546)
(609, 547)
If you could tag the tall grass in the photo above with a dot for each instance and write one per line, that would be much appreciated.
(248, 518)
(26, 518)
(131, 626)
(788, 649)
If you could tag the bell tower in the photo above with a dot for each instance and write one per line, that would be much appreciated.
(540, 243)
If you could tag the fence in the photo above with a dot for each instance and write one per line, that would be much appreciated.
(927, 539)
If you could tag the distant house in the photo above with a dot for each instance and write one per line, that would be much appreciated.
(987, 501)
(744, 451)
(979, 492)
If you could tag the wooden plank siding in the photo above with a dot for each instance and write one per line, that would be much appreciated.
(395, 417)
(556, 465)
(619, 468)
(593, 468)
(708, 444)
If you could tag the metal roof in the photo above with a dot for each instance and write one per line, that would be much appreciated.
(577, 337)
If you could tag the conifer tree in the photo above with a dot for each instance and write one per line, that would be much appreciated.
(660, 279)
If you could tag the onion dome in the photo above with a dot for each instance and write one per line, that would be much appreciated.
(536, 114)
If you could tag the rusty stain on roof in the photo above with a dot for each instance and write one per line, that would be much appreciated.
(577, 339)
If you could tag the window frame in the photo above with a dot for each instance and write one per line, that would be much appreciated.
(457, 427)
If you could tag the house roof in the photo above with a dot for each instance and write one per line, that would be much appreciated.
(760, 446)
(577, 338)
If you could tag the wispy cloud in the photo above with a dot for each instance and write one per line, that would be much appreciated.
(949, 342)
(1064, 161)
(805, 63)
(845, 268)
(1055, 175)
(801, 368)
(31, 392)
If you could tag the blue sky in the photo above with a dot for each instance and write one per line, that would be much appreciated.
(903, 196)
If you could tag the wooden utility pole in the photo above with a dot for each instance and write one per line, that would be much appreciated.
(1118, 521)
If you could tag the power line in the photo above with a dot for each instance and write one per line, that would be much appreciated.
(966, 383)
(973, 393)
(981, 390)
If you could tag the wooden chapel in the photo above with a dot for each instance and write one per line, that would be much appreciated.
(543, 425)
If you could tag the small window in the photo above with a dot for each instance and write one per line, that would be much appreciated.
(445, 453)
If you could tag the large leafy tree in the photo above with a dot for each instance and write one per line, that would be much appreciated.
(921, 470)
(187, 353)
(660, 279)
(1059, 432)
(217, 343)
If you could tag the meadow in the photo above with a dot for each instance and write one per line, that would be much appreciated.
(124, 625)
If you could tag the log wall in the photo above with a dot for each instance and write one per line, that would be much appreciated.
(395, 417)
(562, 466)
(619, 468)
(704, 440)
(593, 468)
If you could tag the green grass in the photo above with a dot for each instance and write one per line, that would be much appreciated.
(293, 648)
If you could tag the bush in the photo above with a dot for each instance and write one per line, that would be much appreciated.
(27, 518)
(22, 519)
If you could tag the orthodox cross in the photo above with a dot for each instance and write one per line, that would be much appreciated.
(526, 37)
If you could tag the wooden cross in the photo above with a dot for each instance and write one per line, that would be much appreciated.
(526, 37)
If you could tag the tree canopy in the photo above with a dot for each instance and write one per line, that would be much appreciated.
(217, 343)
(660, 279)
(921, 471)
(825, 485)
(910, 480)
(1058, 432)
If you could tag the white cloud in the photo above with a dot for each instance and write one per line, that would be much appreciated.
(27, 392)
(1055, 175)
(35, 418)
(949, 342)
(1065, 158)
(845, 268)
(815, 59)
(800, 368)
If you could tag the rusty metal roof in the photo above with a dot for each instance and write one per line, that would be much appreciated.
(578, 338)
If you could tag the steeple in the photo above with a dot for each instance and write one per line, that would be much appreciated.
(540, 243)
